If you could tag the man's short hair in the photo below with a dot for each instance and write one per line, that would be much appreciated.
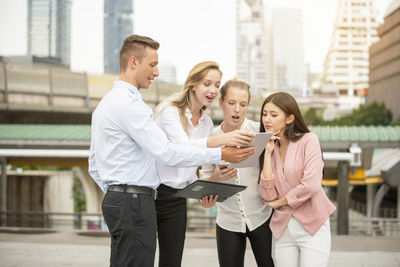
(134, 45)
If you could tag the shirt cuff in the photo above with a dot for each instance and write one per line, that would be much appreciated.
(215, 155)
(292, 200)
(267, 183)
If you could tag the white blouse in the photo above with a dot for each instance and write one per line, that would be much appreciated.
(246, 207)
(169, 121)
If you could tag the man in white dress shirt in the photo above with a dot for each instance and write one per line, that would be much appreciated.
(125, 143)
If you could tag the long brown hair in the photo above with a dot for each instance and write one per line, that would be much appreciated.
(293, 131)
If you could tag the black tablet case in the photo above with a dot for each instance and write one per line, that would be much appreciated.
(201, 188)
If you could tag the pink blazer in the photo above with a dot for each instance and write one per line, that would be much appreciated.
(300, 181)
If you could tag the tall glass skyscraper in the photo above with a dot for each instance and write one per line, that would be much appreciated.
(117, 26)
(49, 29)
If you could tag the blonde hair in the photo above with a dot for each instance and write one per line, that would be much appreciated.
(236, 84)
(185, 99)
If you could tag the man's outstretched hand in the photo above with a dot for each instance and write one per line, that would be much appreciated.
(235, 155)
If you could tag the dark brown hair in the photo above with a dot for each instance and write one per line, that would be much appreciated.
(295, 130)
(134, 45)
(236, 84)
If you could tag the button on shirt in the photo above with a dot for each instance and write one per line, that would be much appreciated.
(126, 141)
(169, 120)
(244, 208)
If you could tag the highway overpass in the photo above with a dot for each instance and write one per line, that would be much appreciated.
(48, 93)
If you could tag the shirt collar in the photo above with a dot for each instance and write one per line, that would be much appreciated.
(244, 124)
(128, 86)
(188, 114)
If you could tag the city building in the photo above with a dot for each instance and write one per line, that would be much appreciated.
(289, 67)
(384, 62)
(313, 82)
(269, 47)
(346, 64)
(49, 29)
(252, 46)
(167, 72)
(118, 24)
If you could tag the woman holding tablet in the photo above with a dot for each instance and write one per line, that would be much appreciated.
(183, 119)
(243, 215)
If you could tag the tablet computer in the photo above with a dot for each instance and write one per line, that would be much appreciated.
(201, 188)
(260, 141)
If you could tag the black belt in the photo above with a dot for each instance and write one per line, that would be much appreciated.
(166, 188)
(123, 188)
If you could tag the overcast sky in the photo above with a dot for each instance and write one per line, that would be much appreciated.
(189, 31)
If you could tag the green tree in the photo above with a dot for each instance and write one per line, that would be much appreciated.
(370, 115)
(79, 195)
(312, 117)
(396, 122)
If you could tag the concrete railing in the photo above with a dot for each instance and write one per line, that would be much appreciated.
(361, 226)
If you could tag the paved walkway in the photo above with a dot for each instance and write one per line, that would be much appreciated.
(70, 248)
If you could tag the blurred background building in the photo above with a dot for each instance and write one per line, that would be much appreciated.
(384, 62)
(289, 67)
(253, 46)
(167, 72)
(117, 25)
(346, 64)
(49, 29)
(270, 47)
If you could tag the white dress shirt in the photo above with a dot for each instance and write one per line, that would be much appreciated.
(126, 141)
(244, 208)
(169, 120)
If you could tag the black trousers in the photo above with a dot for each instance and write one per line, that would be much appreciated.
(232, 246)
(171, 222)
(131, 220)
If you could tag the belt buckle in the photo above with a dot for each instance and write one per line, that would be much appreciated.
(155, 193)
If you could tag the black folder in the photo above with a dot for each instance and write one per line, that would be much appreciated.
(201, 188)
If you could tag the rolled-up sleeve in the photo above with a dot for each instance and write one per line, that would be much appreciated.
(267, 188)
(312, 176)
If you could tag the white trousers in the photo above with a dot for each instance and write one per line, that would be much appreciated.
(298, 248)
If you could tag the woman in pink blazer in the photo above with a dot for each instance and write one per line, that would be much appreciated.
(290, 183)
